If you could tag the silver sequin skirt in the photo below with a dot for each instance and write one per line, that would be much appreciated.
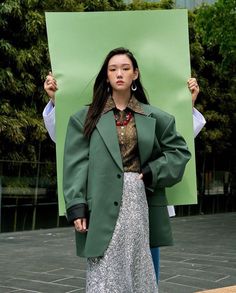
(126, 266)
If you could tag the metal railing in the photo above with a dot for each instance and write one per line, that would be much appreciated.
(28, 196)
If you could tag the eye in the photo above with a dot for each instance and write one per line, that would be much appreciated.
(112, 69)
(126, 68)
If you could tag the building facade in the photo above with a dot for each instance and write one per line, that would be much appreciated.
(189, 4)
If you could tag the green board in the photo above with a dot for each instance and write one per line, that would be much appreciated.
(78, 44)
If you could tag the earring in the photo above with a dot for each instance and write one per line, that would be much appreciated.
(134, 86)
(108, 88)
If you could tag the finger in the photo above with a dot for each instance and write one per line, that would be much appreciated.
(51, 77)
(78, 225)
(192, 79)
(55, 88)
(50, 84)
(193, 87)
(192, 83)
(84, 224)
(48, 79)
(51, 88)
(46, 85)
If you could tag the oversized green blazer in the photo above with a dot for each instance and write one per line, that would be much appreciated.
(93, 174)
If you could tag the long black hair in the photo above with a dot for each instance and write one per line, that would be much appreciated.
(102, 90)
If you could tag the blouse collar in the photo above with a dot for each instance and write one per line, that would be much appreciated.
(133, 105)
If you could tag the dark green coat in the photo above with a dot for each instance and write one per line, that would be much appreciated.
(93, 174)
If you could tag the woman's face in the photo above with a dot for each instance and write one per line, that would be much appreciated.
(120, 73)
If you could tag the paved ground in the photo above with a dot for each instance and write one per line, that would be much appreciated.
(204, 257)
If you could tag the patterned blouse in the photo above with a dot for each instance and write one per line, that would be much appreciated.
(127, 134)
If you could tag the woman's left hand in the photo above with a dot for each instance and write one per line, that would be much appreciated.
(194, 88)
(81, 225)
(140, 176)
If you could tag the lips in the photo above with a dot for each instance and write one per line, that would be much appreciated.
(119, 82)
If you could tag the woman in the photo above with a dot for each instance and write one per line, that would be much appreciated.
(49, 118)
(120, 154)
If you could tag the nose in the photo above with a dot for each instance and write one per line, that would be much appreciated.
(119, 73)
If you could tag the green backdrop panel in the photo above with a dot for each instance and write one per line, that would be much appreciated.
(78, 44)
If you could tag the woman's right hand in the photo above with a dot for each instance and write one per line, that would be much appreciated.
(50, 86)
(81, 225)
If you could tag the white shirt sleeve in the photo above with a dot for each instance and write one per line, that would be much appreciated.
(198, 121)
(50, 120)
(171, 211)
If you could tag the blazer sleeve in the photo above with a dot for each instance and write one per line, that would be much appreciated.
(49, 120)
(168, 168)
(75, 169)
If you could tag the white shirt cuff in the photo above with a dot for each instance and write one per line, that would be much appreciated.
(198, 121)
(49, 120)
(171, 211)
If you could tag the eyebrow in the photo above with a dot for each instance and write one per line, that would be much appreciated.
(124, 64)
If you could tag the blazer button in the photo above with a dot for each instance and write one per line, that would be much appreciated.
(115, 203)
(118, 176)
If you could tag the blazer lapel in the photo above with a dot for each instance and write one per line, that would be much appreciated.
(145, 126)
(107, 129)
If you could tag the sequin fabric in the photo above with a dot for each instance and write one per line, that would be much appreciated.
(126, 266)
